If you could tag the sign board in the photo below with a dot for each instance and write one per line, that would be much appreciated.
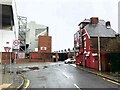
(77, 39)
(36, 49)
(43, 48)
(16, 44)
(7, 49)
(21, 55)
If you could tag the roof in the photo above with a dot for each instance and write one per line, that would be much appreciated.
(100, 28)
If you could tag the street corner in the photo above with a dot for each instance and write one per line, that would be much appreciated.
(18, 82)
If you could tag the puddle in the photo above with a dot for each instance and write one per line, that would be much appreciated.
(59, 64)
(20, 72)
(45, 67)
(10, 71)
(33, 68)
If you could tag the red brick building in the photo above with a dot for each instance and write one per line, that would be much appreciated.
(92, 34)
(44, 44)
(44, 53)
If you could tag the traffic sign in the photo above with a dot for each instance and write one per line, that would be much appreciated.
(7, 49)
(16, 42)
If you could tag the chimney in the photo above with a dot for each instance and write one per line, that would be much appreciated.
(108, 26)
(94, 20)
(47, 31)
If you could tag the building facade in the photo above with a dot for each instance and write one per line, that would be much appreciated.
(35, 30)
(93, 43)
(45, 44)
(8, 26)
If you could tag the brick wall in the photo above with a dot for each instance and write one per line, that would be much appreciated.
(45, 41)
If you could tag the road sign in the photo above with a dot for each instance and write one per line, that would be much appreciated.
(16, 42)
(21, 55)
(7, 49)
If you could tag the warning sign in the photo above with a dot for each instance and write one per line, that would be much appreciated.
(7, 49)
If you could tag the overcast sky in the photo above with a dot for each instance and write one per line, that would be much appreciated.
(63, 16)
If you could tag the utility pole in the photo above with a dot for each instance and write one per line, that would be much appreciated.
(99, 59)
(1, 68)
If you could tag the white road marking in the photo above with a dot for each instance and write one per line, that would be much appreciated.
(63, 73)
(77, 86)
(74, 65)
(66, 75)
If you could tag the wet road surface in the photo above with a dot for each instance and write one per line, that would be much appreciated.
(60, 75)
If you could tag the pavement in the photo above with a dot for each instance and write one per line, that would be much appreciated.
(10, 80)
(105, 75)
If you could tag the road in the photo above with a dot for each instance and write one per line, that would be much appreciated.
(60, 75)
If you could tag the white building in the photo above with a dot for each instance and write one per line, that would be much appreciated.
(34, 30)
(8, 25)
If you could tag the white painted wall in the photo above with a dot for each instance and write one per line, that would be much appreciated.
(15, 28)
(6, 36)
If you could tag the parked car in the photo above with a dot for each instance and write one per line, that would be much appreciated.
(69, 60)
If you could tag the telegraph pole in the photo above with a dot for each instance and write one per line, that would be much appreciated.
(1, 66)
(99, 59)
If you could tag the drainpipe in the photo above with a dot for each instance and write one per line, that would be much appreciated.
(47, 31)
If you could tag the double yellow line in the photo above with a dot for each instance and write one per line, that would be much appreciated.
(111, 81)
(27, 83)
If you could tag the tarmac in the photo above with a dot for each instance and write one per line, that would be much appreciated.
(17, 81)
